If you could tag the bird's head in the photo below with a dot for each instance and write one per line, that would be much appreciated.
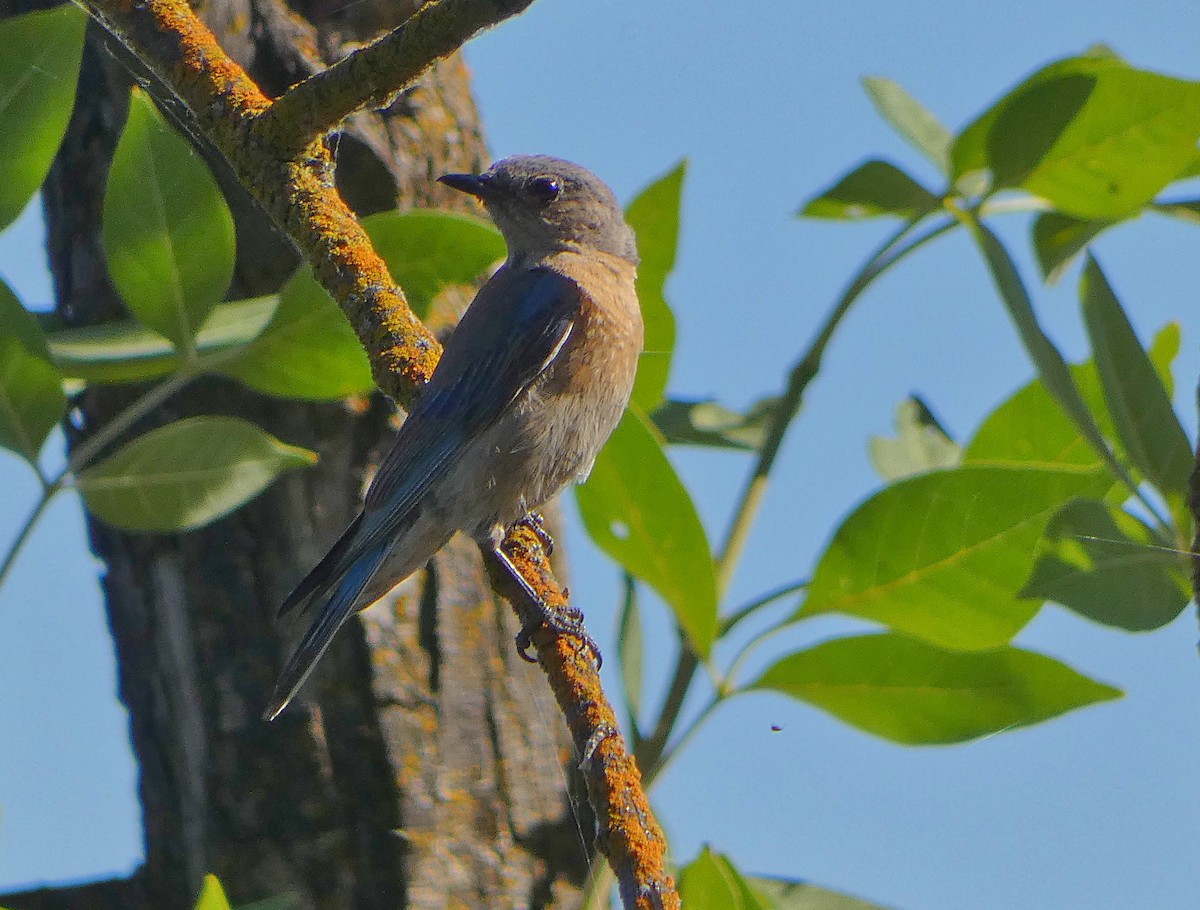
(542, 204)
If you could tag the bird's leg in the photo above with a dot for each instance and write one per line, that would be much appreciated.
(566, 620)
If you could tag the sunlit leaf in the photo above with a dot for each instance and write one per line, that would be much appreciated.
(637, 510)
(911, 119)
(39, 66)
(1094, 136)
(944, 555)
(212, 895)
(186, 474)
(168, 234)
(786, 894)
(914, 693)
(654, 216)
(707, 423)
(872, 190)
(31, 395)
(969, 151)
(1107, 565)
(921, 444)
(710, 882)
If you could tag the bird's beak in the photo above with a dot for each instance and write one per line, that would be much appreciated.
(465, 183)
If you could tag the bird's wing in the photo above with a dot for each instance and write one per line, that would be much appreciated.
(509, 335)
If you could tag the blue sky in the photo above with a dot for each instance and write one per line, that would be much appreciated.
(1095, 810)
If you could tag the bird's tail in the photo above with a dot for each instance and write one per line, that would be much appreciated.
(341, 604)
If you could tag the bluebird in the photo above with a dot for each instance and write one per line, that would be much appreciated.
(532, 382)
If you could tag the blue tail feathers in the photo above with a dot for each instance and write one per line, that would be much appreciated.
(343, 602)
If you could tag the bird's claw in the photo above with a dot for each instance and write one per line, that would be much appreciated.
(535, 523)
(565, 621)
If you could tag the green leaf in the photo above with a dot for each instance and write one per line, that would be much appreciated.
(654, 216)
(631, 650)
(636, 509)
(39, 66)
(921, 444)
(114, 352)
(168, 234)
(1104, 564)
(707, 423)
(1094, 136)
(943, 556)
(1059, 238)
(911, 119)
(307, 351)
(31, 395)
(428, 251)
(969, 151)
(787, 894)
(913, 693)
(1145, 421)
(872, 190)
(1031, 429)
(710, 882)
(1051, 367)
(212, 895)
(186, 474)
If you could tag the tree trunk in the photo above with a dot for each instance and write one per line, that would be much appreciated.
(425, 770)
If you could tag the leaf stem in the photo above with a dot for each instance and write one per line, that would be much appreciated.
(111, 431)
(10, 558)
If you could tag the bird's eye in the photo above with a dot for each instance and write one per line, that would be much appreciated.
(544, 189)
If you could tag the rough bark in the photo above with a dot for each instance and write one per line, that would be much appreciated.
(426, 771)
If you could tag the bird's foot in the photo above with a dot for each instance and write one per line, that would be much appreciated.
(535, 523)
(565, 620)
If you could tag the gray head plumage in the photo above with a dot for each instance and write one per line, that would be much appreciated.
(538, 201)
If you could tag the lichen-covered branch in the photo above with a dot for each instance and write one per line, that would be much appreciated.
(629, 835)
(373, 75)
(296, 191)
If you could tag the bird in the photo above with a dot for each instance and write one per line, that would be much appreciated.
(531, 383)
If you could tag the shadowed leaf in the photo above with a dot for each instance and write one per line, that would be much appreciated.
(31, 395)
(186, 474)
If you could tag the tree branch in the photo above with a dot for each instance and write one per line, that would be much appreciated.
(373, 75)
(629, 834)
